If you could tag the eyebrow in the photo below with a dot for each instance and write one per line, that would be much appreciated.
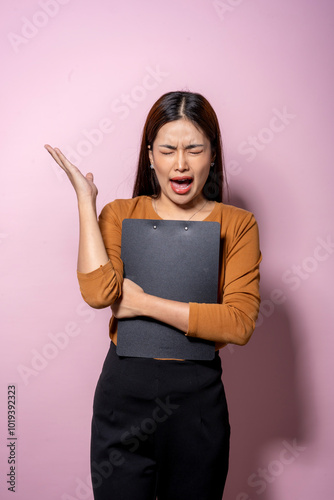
(191, 146)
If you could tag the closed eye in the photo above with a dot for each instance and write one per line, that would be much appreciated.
(190, 151)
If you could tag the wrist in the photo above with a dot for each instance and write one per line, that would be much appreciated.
(86, 203)
(144, 307)
(164, 310)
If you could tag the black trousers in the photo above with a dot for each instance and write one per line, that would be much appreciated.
(159, 429)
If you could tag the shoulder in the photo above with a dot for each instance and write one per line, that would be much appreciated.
(124, 208)
(235, 222)
(230, 214)
(125, 205)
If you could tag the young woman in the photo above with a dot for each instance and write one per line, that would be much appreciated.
(160, 427)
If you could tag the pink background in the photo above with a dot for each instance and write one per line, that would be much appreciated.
(70, 67)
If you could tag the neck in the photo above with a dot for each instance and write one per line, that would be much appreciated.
(169, 210)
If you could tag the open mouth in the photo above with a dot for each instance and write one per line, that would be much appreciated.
(181, 185)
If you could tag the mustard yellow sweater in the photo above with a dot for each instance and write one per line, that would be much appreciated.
(233, 318)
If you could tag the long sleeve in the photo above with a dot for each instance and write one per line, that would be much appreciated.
(102, 287)
(233, 318)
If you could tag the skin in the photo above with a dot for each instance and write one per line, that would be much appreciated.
(174, 155)
(178, 159)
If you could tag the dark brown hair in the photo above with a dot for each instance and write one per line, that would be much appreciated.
(174, 106)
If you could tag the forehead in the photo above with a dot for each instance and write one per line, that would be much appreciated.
(182, 130)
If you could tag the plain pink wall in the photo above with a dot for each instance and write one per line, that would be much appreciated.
(70, 68)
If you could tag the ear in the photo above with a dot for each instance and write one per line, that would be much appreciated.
(150, 155)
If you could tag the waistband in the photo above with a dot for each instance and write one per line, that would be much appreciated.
(214, 363)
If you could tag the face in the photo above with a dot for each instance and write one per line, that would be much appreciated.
(181, 156)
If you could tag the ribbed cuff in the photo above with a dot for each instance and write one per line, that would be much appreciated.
(97, 273)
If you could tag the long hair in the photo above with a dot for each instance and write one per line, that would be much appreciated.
(174, 106)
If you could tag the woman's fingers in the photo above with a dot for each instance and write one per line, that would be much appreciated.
(71, 170)
(62, 157)
(55, 155)
(84, 185)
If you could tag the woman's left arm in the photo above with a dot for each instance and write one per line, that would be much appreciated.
(233, 320)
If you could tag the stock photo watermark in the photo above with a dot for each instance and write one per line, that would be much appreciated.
(131, 440)
(11, 445)
(57, 342)
(295, 275)
(254, 144)
(148, 426)
(121, 108)
(263, 476)
(31, 26)
(224, 7)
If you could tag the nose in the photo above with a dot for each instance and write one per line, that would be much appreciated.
(181, 163)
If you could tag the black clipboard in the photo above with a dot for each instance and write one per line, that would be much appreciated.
(177, 260)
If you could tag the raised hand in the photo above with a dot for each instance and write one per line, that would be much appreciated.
(83, 185)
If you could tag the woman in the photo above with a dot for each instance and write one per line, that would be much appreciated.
(160, 427)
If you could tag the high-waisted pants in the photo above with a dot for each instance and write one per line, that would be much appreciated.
(160, 429)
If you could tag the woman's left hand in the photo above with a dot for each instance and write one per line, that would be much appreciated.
(129, 305)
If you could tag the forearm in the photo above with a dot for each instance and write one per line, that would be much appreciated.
(176, 314)
(223, 323)
(218, 324)
(171, 312)
(134, 302)
(92, 253)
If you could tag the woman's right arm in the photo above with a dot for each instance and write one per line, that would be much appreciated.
(91, 253)
(94, 268)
